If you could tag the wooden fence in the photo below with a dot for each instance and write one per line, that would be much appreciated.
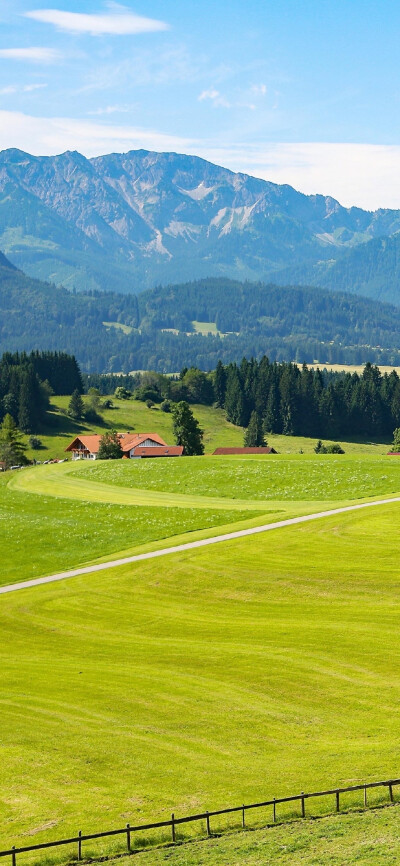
(173, 823)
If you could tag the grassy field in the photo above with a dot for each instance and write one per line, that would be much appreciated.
(369, 839)
(255, 668)
(58, 517)
(259, 667)
(281, 477)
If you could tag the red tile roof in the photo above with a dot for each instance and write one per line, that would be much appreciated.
(265, 450)
(128, 441)
(153, 451)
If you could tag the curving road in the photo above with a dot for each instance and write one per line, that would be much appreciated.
(191, 545)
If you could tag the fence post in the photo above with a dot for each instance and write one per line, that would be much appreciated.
(208, 824)
(173, 827)
(243, 821)
(303, 805)
(274, 810)
(13, 856)
(337, 802)
(128, 837)
(391, 793)
(80, 845)
(365, 796)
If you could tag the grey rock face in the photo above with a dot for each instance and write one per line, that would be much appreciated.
(128, 221)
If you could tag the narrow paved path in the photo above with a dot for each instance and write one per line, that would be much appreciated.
(191, 545)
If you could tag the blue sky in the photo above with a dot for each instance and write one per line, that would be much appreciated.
(305, 92)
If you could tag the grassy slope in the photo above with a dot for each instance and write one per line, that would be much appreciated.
(262, 666)
(135, 416)
(365, 839)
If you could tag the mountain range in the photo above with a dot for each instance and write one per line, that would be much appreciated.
(126, 222)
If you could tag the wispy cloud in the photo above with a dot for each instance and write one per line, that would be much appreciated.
(215, 97)
(118, 23)
(35, 55)
(17, 88)
(259, 89)
(111, 109)
(43, 135)
(355, 174)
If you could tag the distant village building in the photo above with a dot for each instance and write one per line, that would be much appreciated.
(134, 445)
(249, 450)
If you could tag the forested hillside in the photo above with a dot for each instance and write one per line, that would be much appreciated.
(110, 332)
(371, 269)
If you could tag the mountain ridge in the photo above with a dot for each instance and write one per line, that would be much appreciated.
(128, 221)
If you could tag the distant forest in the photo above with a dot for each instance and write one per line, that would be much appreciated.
(118, 333)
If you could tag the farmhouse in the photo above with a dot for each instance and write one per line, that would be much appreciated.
(134, 445)
(250, 450)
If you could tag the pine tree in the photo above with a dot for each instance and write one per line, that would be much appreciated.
(254, 435)
(220, 384)
(76, 406)
(187, 430)
(12, 447)
(396, 441)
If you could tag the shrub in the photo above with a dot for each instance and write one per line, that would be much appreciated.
(35, 443)
(122, 393)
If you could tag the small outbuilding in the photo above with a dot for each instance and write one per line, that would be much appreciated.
(246, 450)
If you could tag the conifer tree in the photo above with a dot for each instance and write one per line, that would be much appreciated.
(12, 447)
(76, 406)
(254, 435)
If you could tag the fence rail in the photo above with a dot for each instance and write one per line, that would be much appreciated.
(204, 816)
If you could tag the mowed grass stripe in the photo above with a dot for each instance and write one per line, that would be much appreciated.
(256, 668)
(65, 481)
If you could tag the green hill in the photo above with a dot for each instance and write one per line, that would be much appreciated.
(196, 323)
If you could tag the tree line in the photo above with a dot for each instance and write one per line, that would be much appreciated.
(285, 397)
(301, 401)
(27, 382)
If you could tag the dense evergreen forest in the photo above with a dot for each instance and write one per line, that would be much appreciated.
(27, 382)
(299, 401)
(285, 397)
(156, 330)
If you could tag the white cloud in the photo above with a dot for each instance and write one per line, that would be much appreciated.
(365, 175)
(27, 88)
(24, 88)
(120, 23)
(49, 136)
(110, 109)
(259, 89)
(215, 97)
(36, 55)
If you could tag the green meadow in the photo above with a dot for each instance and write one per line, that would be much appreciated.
(258, 667)
(255, 668)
